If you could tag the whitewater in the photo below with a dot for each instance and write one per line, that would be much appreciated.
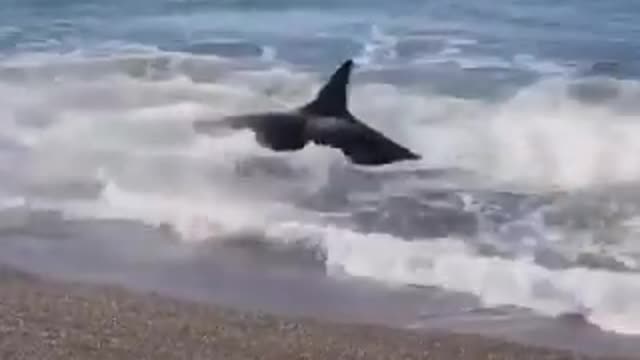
(526, 198)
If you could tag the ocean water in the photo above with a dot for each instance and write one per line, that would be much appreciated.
(527, 199)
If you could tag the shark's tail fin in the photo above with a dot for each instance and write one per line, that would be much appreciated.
(332, 98)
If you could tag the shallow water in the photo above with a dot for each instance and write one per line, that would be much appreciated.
(524, 205)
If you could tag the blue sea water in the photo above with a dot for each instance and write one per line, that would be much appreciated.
(527, 38)
(525, 112)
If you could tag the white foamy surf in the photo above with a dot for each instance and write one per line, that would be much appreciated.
(112, 137)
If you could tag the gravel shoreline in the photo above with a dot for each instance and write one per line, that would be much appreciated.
(47, 319)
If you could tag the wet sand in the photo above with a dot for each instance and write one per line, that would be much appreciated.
(49, 319)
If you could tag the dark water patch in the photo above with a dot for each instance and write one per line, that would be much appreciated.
(594, 91)
(276, 167)
(416, 47)
(450, 78)
(607, 68)
(590, 212)
(79, 189)
(22, 221)
(347, 183)
(253, 252)
(601, 261)
(10, 37)
(317, 53)
(586, 49)
(11, 146)
(230, 49)
(551, 259)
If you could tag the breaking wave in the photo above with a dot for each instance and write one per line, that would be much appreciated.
(531, 206)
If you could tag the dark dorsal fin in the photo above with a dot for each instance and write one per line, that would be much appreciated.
(332, 98)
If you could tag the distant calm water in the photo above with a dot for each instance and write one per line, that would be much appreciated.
(526, 113)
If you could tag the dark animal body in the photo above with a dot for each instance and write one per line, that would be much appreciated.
(325, 121)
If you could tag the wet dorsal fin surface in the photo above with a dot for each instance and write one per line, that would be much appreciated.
(332, 98)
